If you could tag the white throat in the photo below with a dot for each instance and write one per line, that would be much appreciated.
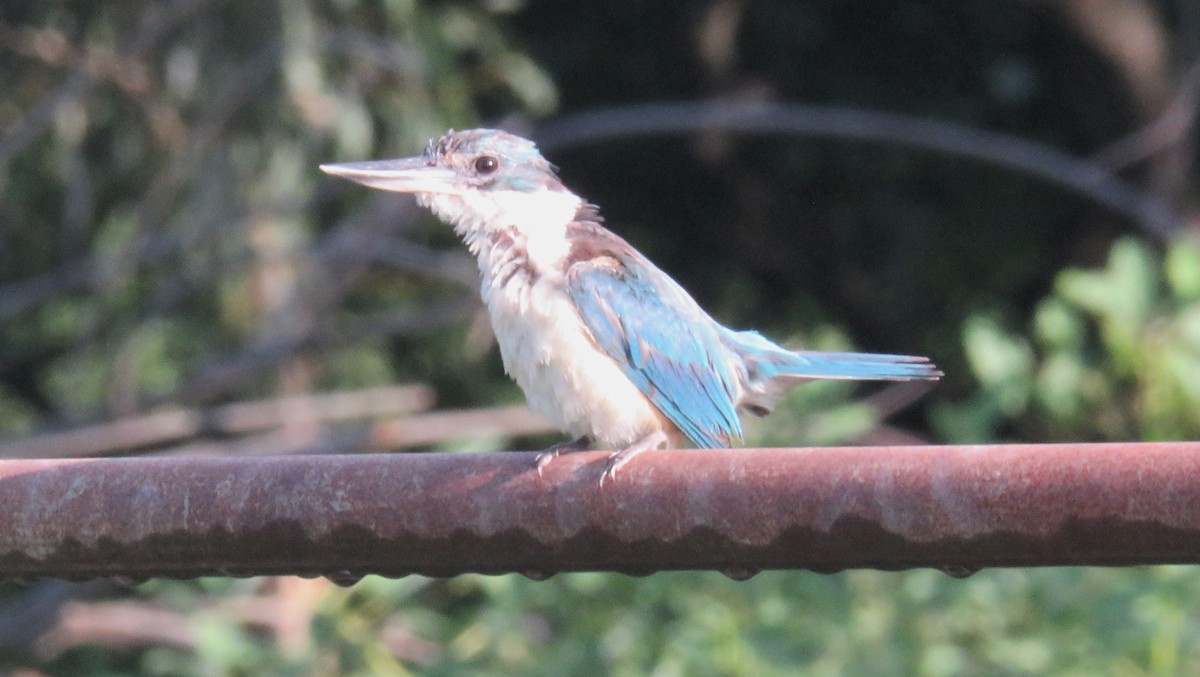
(533, 222)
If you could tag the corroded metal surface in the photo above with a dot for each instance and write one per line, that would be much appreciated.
(954, 508)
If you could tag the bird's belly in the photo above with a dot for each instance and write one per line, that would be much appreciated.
(565, 377)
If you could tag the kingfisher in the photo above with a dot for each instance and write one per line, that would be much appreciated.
(604, 344)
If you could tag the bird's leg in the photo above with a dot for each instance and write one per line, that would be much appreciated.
(650, 441)
(544, 458)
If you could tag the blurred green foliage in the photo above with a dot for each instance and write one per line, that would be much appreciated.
(1110, 354)
(166, 239)
(1012, 622)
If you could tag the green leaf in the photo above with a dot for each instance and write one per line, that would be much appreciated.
(1121, 298)
(1086, 290)
(1133, 273)
(1183, 270)
(998, 359)
(1058, 326)
(1058, 386)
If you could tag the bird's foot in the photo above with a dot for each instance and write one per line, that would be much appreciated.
(653, 440)
(544, 458)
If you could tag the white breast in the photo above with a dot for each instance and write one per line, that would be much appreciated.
(565, 377)
(520, 242)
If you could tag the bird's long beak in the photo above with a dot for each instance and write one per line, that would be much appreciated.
(406, 175)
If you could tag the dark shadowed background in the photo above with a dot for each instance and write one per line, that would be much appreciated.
(1006, 186)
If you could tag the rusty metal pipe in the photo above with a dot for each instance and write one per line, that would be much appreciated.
(958, 508)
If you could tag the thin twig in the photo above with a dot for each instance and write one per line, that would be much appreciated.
(894, 398)
(37, 289)
(429, 430)
(173, 426)
(126, 624)
(442, 426)
(223, 374)
(451, 266)
(1170, 128)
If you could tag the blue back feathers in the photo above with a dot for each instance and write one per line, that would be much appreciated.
(671, 350)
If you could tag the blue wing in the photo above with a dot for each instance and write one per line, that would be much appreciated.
(663, 341)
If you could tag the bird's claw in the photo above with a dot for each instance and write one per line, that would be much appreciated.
(610, 471)
(615, 460)
(553, 452)
(619, 458)
(544, 458)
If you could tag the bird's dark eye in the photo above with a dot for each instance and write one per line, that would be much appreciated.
(486, 164)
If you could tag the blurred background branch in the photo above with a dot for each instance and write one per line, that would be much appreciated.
(1093, 180)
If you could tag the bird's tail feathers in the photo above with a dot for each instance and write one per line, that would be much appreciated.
(772, 371)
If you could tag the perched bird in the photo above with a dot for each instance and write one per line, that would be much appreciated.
(605, 345)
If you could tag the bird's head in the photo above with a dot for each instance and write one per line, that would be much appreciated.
(476, 179)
